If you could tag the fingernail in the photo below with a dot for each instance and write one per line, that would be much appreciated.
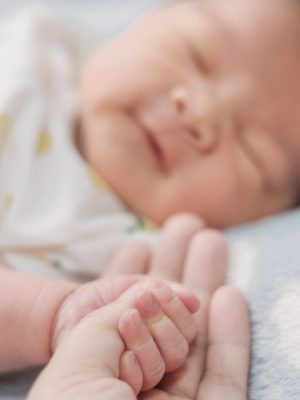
(165, 293)
(147, 299)
(147, 305)
(193, 297)
(135, 318)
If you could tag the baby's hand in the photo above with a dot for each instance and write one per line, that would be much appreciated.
(157, 333)
(154, 321)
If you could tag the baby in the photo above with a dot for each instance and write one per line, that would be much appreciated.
(195, 109)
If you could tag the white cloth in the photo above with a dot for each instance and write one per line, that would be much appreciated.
(56, 214)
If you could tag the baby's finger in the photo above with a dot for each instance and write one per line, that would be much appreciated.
(172, 344)
(132, 258)
(138, 339)
(130, 371)
(187, 296)
(169, 256)
(173, 306)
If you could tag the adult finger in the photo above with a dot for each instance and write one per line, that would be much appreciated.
(206, 263)
(169, 256)
(132, 258)
(204, 272)
(227, 362)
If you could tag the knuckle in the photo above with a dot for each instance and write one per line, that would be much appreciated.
(177, 354)
(154, 375)
(225, 380)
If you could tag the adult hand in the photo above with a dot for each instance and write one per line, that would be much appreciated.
(217, 366)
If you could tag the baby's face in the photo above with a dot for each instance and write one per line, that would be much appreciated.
(196, 109)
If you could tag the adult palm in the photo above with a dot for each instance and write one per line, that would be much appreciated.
(217, 365)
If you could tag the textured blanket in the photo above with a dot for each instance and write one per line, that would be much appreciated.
(265, 264)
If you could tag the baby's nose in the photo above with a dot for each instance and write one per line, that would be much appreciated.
(198, 124)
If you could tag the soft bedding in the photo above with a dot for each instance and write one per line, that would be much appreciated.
(265, 256)
(265, 264)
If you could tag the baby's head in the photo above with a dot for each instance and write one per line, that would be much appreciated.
(197, 108)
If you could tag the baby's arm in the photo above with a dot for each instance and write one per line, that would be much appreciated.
(28, 307)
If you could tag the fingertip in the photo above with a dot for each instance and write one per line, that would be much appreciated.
(184, 221)
(187, 296)
(147, 304)
(230, 313)
(230, 296)
(130, 323)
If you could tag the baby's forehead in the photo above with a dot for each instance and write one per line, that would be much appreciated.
(266, 21)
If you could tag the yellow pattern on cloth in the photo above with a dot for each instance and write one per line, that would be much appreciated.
(39, 253)
(7, 202)
(99, 184)
(44, 144)
(45, 255)
(143, 224)
(5, 205)
(55, 211)
(4, 124)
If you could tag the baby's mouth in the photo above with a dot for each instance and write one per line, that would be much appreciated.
(153, 144)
